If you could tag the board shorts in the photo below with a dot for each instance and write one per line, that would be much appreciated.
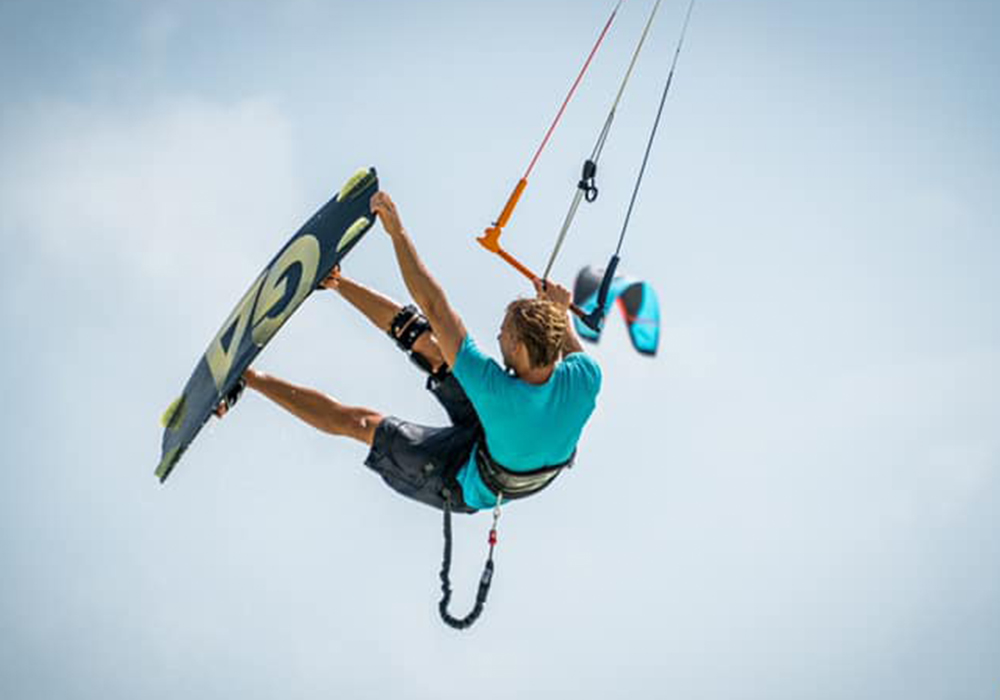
(421, 462)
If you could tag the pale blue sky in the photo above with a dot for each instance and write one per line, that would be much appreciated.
(797, 498)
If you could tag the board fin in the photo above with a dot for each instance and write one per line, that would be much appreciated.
(356, 184)
(356, 229)
(174, 415)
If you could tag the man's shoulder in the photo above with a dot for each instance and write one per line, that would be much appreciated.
(583, 359)
(582, 365)
(469, 352)
(473, 367)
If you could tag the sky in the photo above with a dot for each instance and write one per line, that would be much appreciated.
(797, 497)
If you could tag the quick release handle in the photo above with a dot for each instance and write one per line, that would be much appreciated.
(491, 236)
(594, 319)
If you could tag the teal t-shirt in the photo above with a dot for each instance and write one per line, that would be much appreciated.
(527, 426)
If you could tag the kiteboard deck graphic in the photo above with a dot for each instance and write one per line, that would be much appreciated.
(305, 260)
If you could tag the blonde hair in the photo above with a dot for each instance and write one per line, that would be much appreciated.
(541, 325)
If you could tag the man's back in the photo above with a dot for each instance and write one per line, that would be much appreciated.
(527, 426)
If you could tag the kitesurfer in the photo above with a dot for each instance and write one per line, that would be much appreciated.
(512, 430)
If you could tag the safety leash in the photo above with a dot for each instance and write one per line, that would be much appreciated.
(485, 580)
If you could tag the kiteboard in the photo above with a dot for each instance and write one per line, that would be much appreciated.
(304, 261)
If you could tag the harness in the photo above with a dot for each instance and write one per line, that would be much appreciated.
(510, 484)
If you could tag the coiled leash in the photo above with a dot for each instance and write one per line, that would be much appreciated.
(485, 580)
(507, 485)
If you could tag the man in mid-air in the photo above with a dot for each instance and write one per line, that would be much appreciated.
(513, 429)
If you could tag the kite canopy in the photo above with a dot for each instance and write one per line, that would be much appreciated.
(636, 300)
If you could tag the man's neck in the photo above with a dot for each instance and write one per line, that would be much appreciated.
(537, 375)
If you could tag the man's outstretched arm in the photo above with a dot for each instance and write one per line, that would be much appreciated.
(424, 289)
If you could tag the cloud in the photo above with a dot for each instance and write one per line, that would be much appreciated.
(163, 193)
(158, 28)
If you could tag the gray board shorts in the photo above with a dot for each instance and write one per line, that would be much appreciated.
(421, 462)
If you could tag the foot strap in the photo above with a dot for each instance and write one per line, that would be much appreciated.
(408, 325)
(234, 394)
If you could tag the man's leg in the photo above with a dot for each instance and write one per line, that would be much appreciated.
(381, 310)
(316, 408)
